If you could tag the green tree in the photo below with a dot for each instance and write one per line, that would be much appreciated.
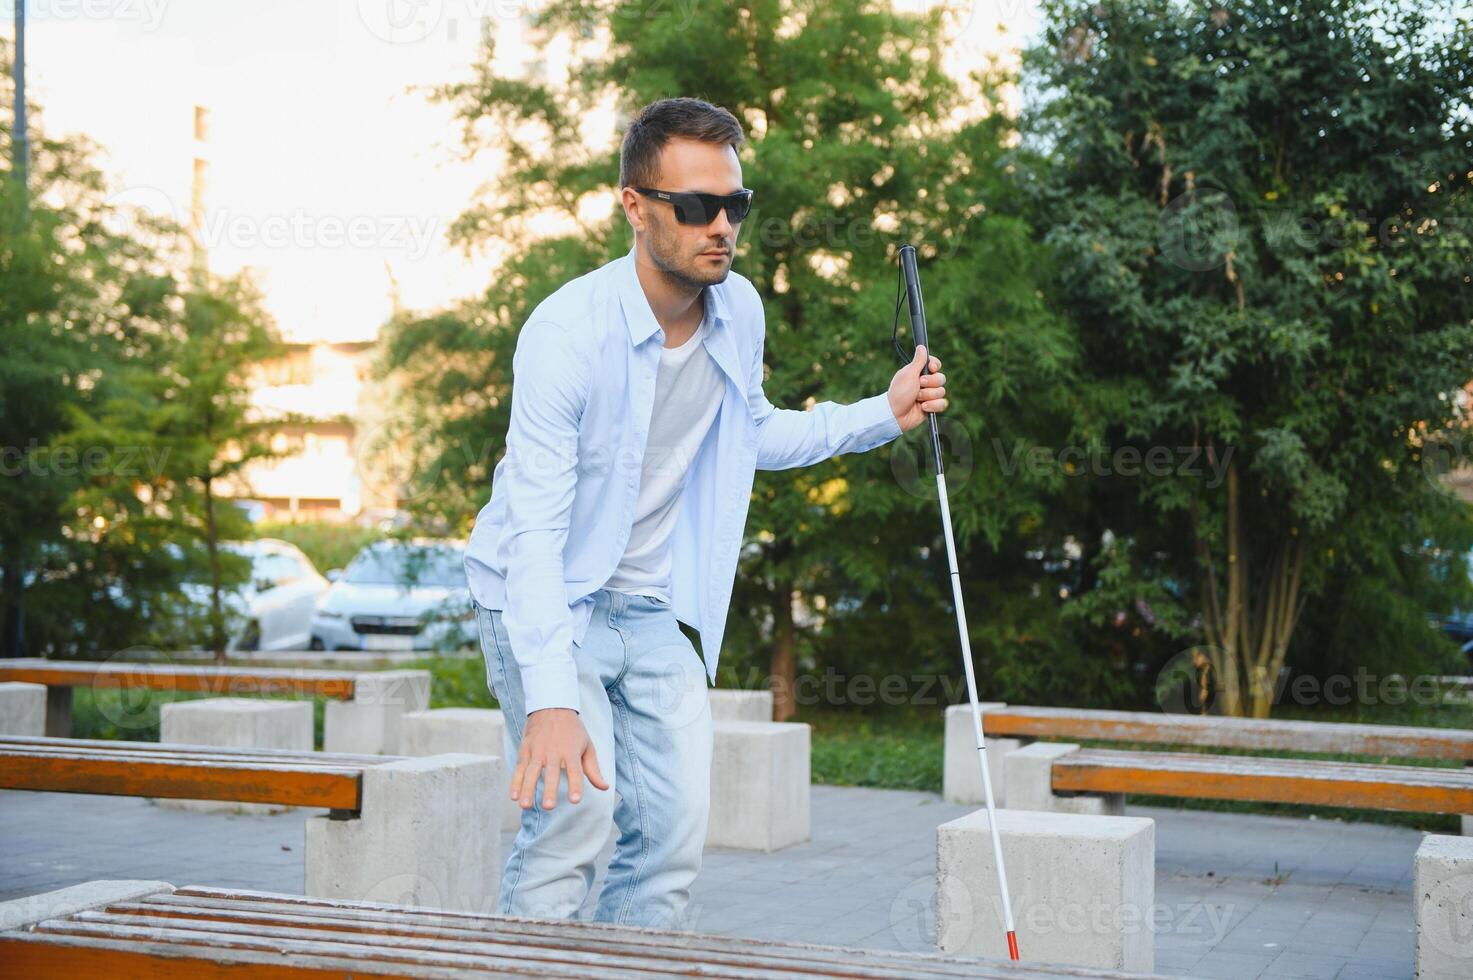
(121, 409)
(1261, 215)
(853, 148)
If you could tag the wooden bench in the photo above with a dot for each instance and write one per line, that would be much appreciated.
(429, 820)
(1192, 775)
(60, 676)
(1210, 731)
(187, 772)
(154, 929)
(364, 708)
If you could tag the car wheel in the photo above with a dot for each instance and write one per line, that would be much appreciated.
(316, 644)
(250, 637)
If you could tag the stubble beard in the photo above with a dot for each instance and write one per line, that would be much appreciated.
(665, 252)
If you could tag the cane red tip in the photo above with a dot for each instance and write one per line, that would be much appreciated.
(1012, 944)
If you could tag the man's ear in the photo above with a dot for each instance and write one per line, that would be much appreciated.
(633, 207)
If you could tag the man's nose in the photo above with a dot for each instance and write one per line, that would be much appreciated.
(721, 225)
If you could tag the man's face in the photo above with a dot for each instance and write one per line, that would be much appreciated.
(693, 255)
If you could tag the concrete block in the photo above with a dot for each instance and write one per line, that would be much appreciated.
(759, 785)
(369, 724)
(479, 731)
(1442, 894)
(20, 912)
(1082, 888)
(240, 723)
(1030, 783)
(735, 704)
(962, 778)
(22, 708)
(426, 835)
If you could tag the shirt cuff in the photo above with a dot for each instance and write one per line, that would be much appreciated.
(883, 426)
(553, 685)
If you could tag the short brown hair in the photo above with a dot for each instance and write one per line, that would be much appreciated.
(660, 122)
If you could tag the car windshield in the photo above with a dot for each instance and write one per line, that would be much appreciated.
(407, 566)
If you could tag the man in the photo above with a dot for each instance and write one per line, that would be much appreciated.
(637, 421)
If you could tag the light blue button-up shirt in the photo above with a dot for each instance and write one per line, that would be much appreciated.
(563, 495)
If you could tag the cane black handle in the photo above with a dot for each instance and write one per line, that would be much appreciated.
(917, 305)
(918, 332)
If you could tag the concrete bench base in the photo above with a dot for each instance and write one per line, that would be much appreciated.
(481, 731)
(759, 785)
(1030, 784)
(733, 704)
(1443, 897)
(241, 723)
(22, 708)
(369, 724)
(962, 776)
(1082, 888)
(426, 835)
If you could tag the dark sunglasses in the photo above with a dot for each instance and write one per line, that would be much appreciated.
(695, 208)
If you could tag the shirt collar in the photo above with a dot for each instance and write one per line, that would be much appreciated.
(641, 319)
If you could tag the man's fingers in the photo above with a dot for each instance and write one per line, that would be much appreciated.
(516, 776)
(550, 783)
(575, 784)
(590, 766)
(527, 785)
(932, 380)
(928, 393)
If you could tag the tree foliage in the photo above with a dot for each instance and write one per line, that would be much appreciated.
(1261, 213)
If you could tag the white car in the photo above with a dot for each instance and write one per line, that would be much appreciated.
(398, 595)
(273, 609)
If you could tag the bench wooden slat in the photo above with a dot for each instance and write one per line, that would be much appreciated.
(588, 955)
(243, 781)
(210, 679)
(1211, 731)
(49, 956)
(314, 937)
(181, 751)
(547, 938)
(1419, 789)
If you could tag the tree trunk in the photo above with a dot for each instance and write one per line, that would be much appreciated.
(784, 673)
(12, 591)
(1248, 631)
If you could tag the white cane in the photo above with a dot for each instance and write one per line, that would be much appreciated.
(918, 331)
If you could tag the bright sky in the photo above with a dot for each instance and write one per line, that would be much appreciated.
(325, 172)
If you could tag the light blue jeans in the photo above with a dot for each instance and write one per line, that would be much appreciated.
(642, 694)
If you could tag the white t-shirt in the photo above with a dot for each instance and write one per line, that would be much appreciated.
(688, 390)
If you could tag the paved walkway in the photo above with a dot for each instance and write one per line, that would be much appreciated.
(1236, 896)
